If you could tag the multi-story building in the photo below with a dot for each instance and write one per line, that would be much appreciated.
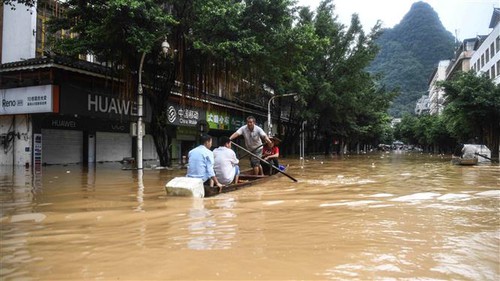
(422, 106)
(56, 110)
(480, 54)
(461, 60)
(486, 58)
(436, 93)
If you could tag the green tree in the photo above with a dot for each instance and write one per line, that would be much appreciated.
(340, 89)
(473, 109)
(218, 45)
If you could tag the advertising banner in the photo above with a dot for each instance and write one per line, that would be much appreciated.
(26, 100)
(218, 120)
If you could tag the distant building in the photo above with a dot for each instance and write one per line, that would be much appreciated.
(461, 61)
(422, 106)
(480, 54)
(436, 94)
(486, 59)
(395, 121)
(24, 30)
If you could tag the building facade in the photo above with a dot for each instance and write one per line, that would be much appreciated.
(60, 111)
(486, 59)
(422, 106)
(436, 93)
(480, 54)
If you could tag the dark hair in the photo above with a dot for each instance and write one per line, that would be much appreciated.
(251, 117)
(224, 140)
(204, 138)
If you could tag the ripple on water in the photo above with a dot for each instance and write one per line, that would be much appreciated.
(454, 197)
(349, 203)
(36, 217)
(416, 197)
(489, 193)
(381, 195)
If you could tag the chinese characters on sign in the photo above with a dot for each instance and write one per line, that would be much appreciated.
(177, 115)
(35, 99)
(218, 120)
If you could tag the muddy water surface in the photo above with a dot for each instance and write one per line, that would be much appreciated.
(378, 216)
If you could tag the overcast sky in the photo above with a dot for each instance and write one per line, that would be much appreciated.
(464, 18)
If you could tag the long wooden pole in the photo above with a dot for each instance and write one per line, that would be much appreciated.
(484, 156)
(274, 167)
(252, 151)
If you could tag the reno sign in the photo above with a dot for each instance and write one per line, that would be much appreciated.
(26, 100)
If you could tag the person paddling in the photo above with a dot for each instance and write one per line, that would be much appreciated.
(253, 136)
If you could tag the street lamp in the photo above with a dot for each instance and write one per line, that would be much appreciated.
(269, 124)
(165, 48)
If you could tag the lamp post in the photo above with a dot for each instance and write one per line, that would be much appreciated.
(269, 124)
(140, 133)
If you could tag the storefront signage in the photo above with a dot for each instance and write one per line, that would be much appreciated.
(37, 149)
(63, 124)
(218, 120)
(25, 100)
(237, 122)
(103, 104)
(183, 116)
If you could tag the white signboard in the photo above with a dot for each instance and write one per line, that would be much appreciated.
(35, 99)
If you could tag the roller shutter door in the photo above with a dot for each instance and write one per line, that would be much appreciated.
(62, 146)
(113, 146)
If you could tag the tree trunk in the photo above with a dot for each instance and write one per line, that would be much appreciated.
(493, 141)
(162, 140)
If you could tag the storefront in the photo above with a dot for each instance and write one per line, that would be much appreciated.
(58, 111)
(186, 119)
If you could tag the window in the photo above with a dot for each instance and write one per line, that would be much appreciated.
(498, 68)
(492, 49)
(487, 56)
(492, 72)
(498, 45)
(482, 60)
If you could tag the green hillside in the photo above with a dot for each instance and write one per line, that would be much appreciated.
(409, 52)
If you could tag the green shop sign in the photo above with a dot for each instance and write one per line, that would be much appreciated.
(218, 120)
(222, 121)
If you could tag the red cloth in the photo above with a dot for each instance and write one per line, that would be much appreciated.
(270, 151)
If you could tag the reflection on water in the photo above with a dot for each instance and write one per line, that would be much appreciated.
(379, 216)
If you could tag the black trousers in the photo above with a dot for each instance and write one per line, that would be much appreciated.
(268, 170)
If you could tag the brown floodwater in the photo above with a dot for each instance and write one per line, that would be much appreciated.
(380, 216)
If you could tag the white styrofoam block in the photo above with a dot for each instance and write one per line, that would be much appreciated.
(184, 186)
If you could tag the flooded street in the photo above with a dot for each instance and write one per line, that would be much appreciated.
(378, 216)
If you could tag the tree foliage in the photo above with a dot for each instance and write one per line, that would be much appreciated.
(473, 109)
(343, 101)
(238, 48)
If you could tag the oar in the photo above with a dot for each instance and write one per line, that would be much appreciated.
(274, 167)
(484, 156)
(252, 151)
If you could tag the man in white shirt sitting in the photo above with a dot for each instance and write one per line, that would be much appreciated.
(226, 164)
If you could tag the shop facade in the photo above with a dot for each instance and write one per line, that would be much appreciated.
(59, 112)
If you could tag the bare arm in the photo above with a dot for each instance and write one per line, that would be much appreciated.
(275, 155)
(267, 139)
(234, 136)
